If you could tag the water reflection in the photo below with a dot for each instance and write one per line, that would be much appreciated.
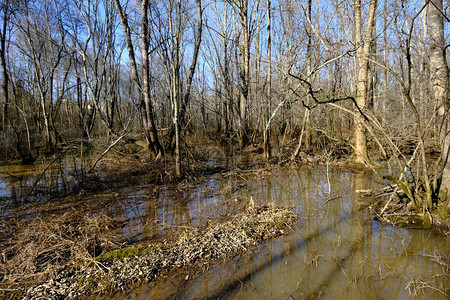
(336, 251)
(21, 184)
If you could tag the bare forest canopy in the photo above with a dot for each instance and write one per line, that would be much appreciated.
(370, 76)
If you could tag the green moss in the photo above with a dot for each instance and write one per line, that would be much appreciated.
(130, 252)
(443, 213)
(411, 221)
(426, 221)
(398, 221)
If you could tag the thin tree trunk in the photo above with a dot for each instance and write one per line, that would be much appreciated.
(226, 95)
(143, 95)
(175, 93)
(306, 123)
(192, 68)
(148, 118)
(385, 61)
(3, 63)
(267, 148)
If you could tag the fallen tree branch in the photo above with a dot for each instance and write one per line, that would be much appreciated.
(39, 178)
(107, 150)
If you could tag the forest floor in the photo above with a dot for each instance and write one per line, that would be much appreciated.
(68, 247)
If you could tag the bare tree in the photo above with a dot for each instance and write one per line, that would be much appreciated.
(6, 10)
(44, 46)
(190, 77)
(142, 90)
(266, 133)
(440, 82)
(242, 11)
(363, 53)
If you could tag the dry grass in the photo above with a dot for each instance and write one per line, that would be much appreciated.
(41, 246)
(122, 268)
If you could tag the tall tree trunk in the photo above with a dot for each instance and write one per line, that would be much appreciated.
(227, 94)
(175, 36)
(192, 68)
(385, 61)
(244, 71)
(3, 63)
(440, 83)
(267, 149)
(306, 123)
(143, 96)
(363, 53)
(148, 118)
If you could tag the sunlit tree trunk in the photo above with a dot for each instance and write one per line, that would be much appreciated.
(226, 94)
(385, 61)
(190, 77)
(148, 118)
(175, 35)
(244, 71)
(363, 42)
(267, 150)
(439, 81)
(143, 97)
(306, 122)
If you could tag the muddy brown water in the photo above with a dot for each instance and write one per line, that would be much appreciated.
(336, 250)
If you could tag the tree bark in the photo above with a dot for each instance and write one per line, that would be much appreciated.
(148, 117)
(6, 14)
(227, 93)
(142, 94)
(192, 68)
(306, 123)
(267, 149)
(244, 71)
(175, 36)
(440, 83)
(363, 53)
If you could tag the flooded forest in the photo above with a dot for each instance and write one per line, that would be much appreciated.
(232, 149)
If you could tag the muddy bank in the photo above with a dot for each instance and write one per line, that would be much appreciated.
(121, 269)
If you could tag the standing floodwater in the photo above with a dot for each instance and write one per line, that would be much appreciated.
(337, 250)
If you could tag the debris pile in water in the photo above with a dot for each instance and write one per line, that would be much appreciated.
(392, 206)
(123, 268)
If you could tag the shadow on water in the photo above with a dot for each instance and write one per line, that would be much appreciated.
(335, 252)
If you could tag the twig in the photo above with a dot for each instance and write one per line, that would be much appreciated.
(389, 201)
(39, 178)
(332, 198)
(107, 150)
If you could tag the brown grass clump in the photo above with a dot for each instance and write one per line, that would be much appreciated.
(122, 268)
(40, 247)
